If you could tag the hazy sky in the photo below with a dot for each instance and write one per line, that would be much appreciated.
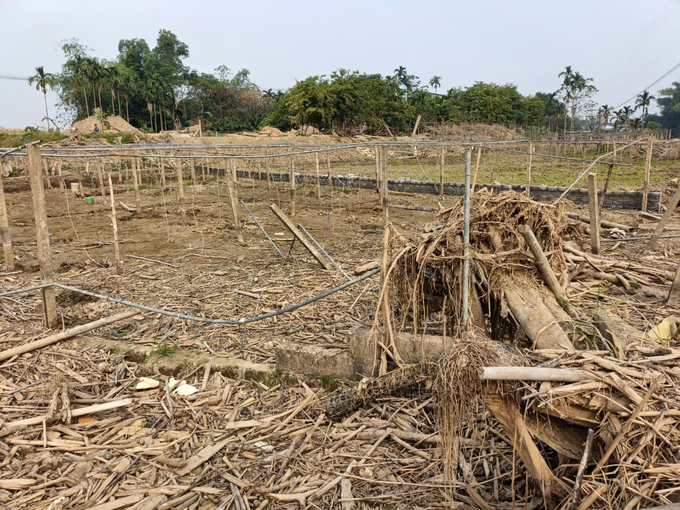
(624, 45)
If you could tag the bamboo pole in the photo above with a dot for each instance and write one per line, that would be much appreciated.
(441, 173)
(114, 224)
(230, 174)
(594, 214)
(44, 252)
(384, 181)
(100, 177)
(664, 221)
(330, 175)
(4, 230)
(69, 333)
(648, 171)
(474, 179)
(136, 168)
(291, 181)
(180, 189)
(318, 179)
(530, 150)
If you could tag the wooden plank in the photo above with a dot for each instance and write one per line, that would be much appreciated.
(4, 231)
(664, 221)
(44, 251)
(594, 214)
(119, 503)
(298, 235)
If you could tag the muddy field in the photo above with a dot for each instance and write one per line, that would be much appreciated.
(250, 437)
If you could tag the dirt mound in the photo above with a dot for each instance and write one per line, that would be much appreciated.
(472, 132)
(116, 125)
(309, 130)
(268, 130)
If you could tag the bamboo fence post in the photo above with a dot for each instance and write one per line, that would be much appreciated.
(291, 181)
(48, 181)
(384, 181)
(594, 214)
(161, 165)
(4, 230)
(530, 150)
(318, 179)
(606, 185)
(203, 170)
(230, 174)
(330, 175)
(100, 177)
(441, 173)
(193, 180)
(648, 171)
(474, 179)
(180, 188)
(378, 185)
(114, 224)
(136, 169)
(44, 252)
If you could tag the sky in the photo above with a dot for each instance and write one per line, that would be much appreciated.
(624, 45)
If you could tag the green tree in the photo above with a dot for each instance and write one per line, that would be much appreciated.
(42, 81)
(435, 82)
(577, 89)
(669, 106)
(605, 112)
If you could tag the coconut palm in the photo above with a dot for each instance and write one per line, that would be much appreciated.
(76, 67)
(636, 123)
(643, 101)
(42, 80)
(567, 76)
(435, 82)
(92, 70)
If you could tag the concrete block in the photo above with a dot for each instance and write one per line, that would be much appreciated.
(311, 360)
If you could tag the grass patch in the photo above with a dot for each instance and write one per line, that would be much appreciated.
(329, 382)
(163, 350)
(276, 378)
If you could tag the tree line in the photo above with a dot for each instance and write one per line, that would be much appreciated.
(154, 90)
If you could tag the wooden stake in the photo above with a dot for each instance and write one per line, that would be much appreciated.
(415, 128)
(318, 179)
(378, 185)
(291, 180)
(203, 170)
(136, 169)
(648, 172)
(4, 231)
(161, 165)
(180, 189)
(664, 221)
(530, 150)
(674, 294)
(474, 177)
(230, 174)
(44, 252)
(441, 173)
(298, 235)
(193, 180)
(114, 224)
(594, 214)
(48, 181)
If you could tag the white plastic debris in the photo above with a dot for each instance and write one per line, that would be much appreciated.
(184, 390)
(146, 383)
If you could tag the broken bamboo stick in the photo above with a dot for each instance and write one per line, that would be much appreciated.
(664, 221)
(114, 224)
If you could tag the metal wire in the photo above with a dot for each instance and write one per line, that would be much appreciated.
(243, 320)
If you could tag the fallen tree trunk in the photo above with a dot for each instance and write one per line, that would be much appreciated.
(603, 223)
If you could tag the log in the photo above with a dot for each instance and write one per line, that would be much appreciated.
(83, 411)
(542, 263)
(603, 223)
(69, 333)
(534, 374)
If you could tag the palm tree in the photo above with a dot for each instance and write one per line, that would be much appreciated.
(92, 70)
(43, 80)
(435, 82)
(636, 123)
(643, 101)
(606, 112)
(77, 68)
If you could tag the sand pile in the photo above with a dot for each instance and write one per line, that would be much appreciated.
(116, 125)
(271, 131)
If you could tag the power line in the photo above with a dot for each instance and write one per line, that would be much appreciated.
(677, 66)
(13, 77)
